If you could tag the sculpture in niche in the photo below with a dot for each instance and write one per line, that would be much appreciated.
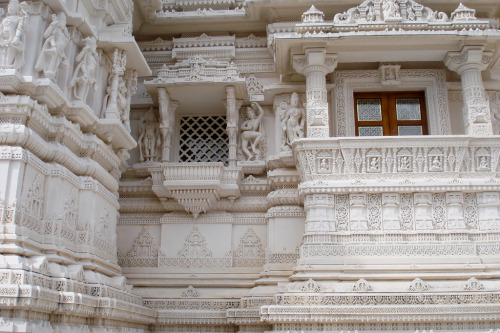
(84, 75)
(12, 38)
(149, 140)
(52, 55)
(252, 133)
(292, 124)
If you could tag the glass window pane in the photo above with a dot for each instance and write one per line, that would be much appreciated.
(369, 109)
(370, 131)
(408, 109)
(410, 130)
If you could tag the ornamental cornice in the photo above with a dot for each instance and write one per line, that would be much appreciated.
(379, 15)
(284, 197)
(197, 69)
(49, 95)
(251, 41)
(283, 177)
(53, 151)
(159, 11)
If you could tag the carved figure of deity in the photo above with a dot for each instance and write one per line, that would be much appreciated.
(252, 133)
(52, 55)
(12, 36)
(149, 140)
(84, 75)
(292, 125)
(390, 9)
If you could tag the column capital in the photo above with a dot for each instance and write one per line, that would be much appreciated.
(316, 58)
(469, 57)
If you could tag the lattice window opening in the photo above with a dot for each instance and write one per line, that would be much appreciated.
(203, 139)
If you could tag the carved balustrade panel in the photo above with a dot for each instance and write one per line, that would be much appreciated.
(407, 162)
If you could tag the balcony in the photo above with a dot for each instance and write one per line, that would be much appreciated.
(196, 186)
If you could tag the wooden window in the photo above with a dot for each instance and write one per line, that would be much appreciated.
(401, 113)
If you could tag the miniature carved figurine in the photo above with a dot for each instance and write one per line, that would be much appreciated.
(52, 55)
(252, 133)
(374, 164)
(483, 163)
(84, 75)
(12, 36)
(149, 140)
(292, 124)
(390, 9)
(404, 163)
(323, 165)
(436, 163)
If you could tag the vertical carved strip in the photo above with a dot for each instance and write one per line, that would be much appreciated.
(342, 212)
(439, 210)
(470, 210)
(406, 211)
(374, 212)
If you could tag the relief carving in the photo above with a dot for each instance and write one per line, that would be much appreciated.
(292, 117)
(84, 75)
(12, 39)
(252, 133)
(149, 140)
(52, 55)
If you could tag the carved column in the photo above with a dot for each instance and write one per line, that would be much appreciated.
(130, 77)
(315, 64)
(167, 121)
(469, 63)
(117, 70)
(232, 107)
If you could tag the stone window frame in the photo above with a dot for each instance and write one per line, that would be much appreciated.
(176, 137)
(432, 82)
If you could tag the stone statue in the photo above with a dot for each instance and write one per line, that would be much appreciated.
(12, 37)
(252, 133)
(84, 75)
(52, 55)
(149, 140)
(292, 124)
(390, 9)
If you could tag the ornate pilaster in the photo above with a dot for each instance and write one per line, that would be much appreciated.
(315, 63)
(319, 214)
(232, 107)
(167, 121)
(117, 70)
(469, 63)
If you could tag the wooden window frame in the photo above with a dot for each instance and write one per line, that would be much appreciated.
(389, 120)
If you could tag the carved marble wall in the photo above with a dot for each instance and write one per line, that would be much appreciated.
(207, 179)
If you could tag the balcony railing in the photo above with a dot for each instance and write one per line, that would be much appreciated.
(389, 159)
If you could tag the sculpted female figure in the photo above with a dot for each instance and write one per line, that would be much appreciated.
(292, 125)
(52, 54)
(84, 75)
(12, 33)
(252, 133)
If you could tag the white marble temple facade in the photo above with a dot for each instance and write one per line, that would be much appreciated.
(198, 166)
